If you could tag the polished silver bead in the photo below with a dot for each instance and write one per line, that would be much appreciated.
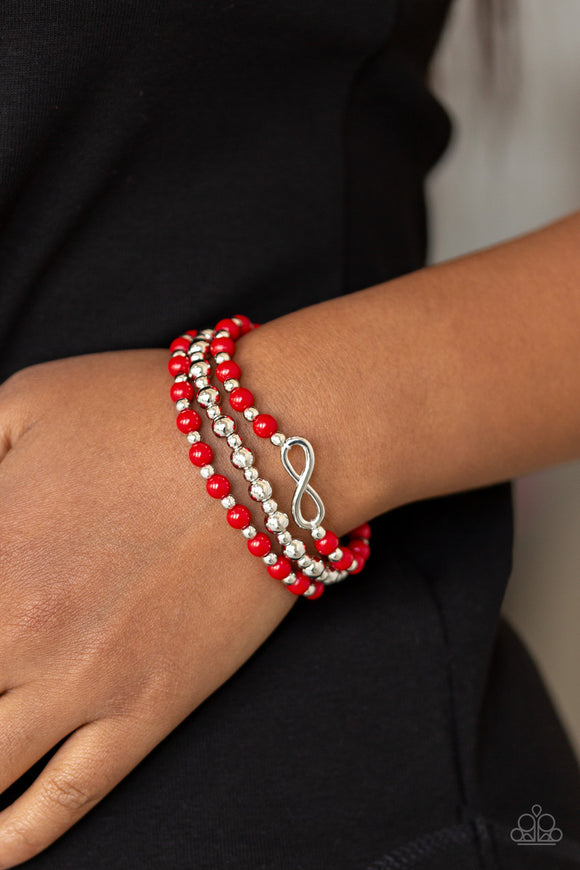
(222, 333)
(324, 576)
(221, 357)
(270, 559)
(316, 569)
(251, 414)
(305, 561)
(342, 575)
(234, 441)
(269, 506)
(294, 549)
(199, 369)
(213, 412)
(182, 404)
(208, 396)
(353, 566)
(310, 591)
(179, 352)
(202, 382)
(180, 378)
(228, 502)
(224, 426)
(231, 384)
(237, 321)
(207, 471)
(336, 555)
(249, 532)
(318, 533)
(290, 579)
(277, 439)
(208, 334)
(193, 437)
(251, 474)
(330, 578)
(242, 458)
(196, 356)
(277, 522)
(198, 347)
(284, 538)
(260, 490)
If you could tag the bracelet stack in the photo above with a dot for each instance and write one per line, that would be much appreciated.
(196, 358)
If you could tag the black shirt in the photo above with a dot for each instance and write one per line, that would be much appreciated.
(164, 164)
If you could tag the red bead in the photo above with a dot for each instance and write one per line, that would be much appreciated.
(360, 548)
(239, 516)
(228, 324)
(245, 321)
(363, 531)
(345, 560)
(222, 345)
(180, 343)
(181, 390)
(228, 369)
(260, 545)
(280, 569)
(188, 421)
(200, 454)
(300, 585)
(178, 365)
(240, 399)
(317, 592)
(327, 544)
(218, 486)
(360, 565)
(265, 425)
(192, 332)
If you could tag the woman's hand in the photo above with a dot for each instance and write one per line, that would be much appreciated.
(125, 600)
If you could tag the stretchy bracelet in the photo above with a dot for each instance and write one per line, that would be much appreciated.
(190, 361)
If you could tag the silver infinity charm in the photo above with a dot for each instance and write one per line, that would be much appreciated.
(302, 481)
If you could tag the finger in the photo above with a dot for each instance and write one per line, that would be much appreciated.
(29, 729)
(85, 768)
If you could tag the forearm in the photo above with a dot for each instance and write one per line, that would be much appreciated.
(449, 378)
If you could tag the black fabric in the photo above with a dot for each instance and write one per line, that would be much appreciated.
(168, 163)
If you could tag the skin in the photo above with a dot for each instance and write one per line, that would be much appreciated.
(455, 376)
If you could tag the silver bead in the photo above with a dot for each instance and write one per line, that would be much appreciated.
(318, 533)
(242, 458)
(178, 353)
(342, 576)
(269, 506)
(294, 549)
(221, 357)
(305, 561)
(228, 502)
(180, 378)
(222, 333)
(277, 439)
(270, 559)
(251, 474)
(182, 404)
(209, 396)
(284, 538)
(260, 490)
(310, 591)
(213, 412)
(201, 383)
(251, 414)
(224, 426)
(198, 347)
(234, 441)
(277, 522)
(193, 437)
(231, 384)
(199, 369)
(330, 578)
(208, 334)
(196, 356)
(290, 579)
(316, 569)
(353, 566)
(207, 471)
(336, 555)
(237, 321)
(249, 532)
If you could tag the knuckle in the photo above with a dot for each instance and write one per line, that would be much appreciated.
(66, 790)
(18, 837)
